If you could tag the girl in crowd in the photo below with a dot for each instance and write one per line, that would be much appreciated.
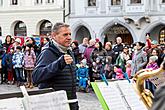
(29, 64)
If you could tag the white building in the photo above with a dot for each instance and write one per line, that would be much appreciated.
(107, 19)
(30, 17)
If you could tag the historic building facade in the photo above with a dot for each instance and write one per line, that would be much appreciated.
(107, 19)
(30, 17)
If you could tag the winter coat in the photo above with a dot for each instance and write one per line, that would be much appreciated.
(82, 72)
(118, 48)
(9, 61)
(87, 55)
(153, 66)
(97, 53)
(139, 60)
(18, 60)
(29, 60)
(121, 60)
(76, 54)
(52, 71)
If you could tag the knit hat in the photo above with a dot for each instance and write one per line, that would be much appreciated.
(154, 42)
(129, 62)
(18, 40)
(84, 62)
(153, 58)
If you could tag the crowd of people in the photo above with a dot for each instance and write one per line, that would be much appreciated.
(114, 61)
(18, 61)
(120, 60)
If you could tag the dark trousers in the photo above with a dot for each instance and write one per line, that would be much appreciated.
(4, 74)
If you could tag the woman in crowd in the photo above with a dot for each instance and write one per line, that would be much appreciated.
(98, 51)
(8, 42)
(75, 50)
(139, 59)
(123, 57)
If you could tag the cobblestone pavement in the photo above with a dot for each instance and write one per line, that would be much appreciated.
(87, 101)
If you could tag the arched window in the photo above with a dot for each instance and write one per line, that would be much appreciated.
(20, 29)
(45, 28)
(0, 31)
(162, 36)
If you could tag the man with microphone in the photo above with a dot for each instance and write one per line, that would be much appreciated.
(55, 66)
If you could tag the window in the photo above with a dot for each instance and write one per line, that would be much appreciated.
(14, 2)
(0, 32)
(50, 1)
(135, 1)
(162, 36)
(115, 2)
(45, 28)
(163, 1)
(91, 2)
(38, 1)
(20, 29)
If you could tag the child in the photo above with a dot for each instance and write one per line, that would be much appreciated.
(10, 70)
(118, 71)
(29, 64)
(97, 67)
(18, 65)
(128, 68)
(152, 64)
(82, 74)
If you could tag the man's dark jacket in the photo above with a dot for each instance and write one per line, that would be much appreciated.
(52, 71)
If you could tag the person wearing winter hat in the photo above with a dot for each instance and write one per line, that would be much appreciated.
(152, 64)
(128, 68)
(82, 74)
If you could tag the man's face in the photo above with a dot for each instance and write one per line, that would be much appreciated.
(118, 40)
(63, 36)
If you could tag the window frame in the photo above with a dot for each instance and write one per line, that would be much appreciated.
(50, 1)
(47, 30)
(16, 29)
(14, 2)
(91, 5)
(136, 3)
(37, 2)
(116, 3)
(161, 34)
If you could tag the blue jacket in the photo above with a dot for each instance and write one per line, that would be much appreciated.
(52, 71)
(18, 60)
(82, 72)
(4, 59)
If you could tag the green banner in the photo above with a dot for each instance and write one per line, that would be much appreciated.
(99, 96)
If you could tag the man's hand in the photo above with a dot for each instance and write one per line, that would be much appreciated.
(68, 59)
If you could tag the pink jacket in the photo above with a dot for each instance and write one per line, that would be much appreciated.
(119, 74)
(29, 60)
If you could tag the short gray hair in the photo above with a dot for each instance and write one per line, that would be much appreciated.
(59, 25)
